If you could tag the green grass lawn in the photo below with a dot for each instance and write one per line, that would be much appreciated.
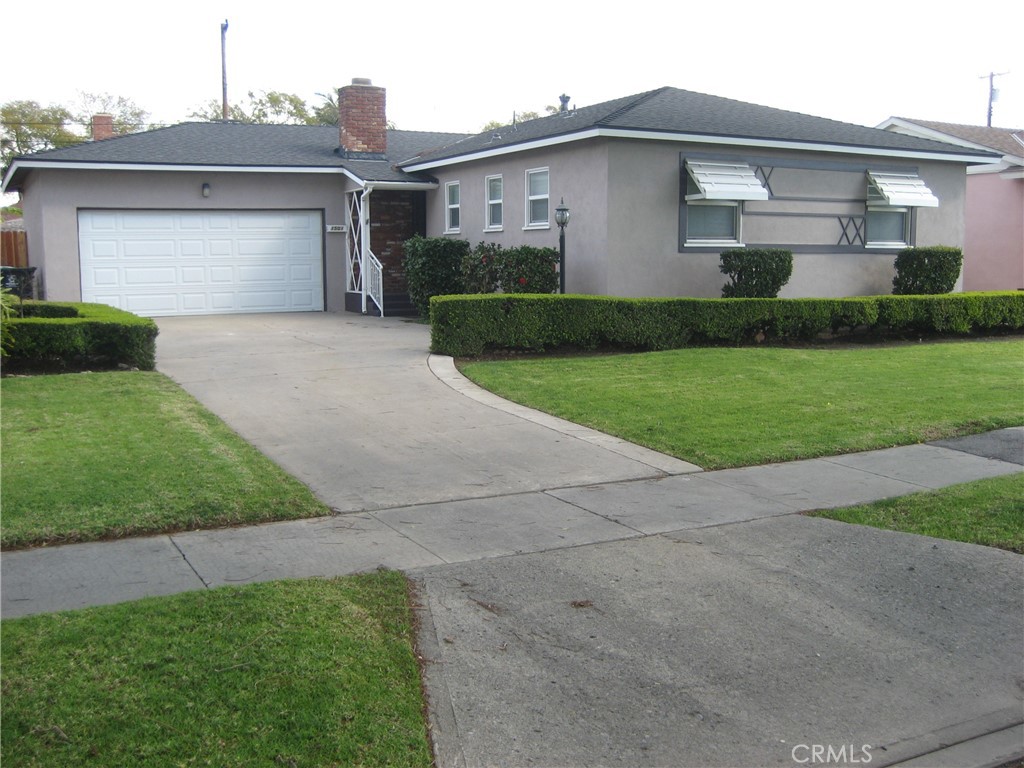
(293, 673)
(728, 407)
(89, 456)
(989, 512)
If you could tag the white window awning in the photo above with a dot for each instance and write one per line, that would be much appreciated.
(900, 189)
(724, 181)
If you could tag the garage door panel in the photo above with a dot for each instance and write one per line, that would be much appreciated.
(261, 301)
(275, 248)
(266, 273)
(155, 222)
(148, 249)
(191, 249)
(152, 303)
(202, 262)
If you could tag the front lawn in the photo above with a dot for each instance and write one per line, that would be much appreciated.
(989, 512)
(729, 407)
(294, 673)
(95, 455)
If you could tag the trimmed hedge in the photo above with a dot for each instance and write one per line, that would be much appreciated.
(472, 325)
(76, 336)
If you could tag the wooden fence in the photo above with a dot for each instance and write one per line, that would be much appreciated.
(13, 249)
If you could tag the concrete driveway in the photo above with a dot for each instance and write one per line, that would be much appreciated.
(718, 628)
(350, 406)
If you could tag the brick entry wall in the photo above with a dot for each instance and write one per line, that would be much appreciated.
(394, 218)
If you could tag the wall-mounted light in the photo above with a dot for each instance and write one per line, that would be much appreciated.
(206, 189)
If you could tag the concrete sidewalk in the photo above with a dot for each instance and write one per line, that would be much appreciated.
(416, 536)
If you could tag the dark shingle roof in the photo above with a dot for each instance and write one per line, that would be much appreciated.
(665, 110)
(1000, 139)
(672, 110)
(248, 145)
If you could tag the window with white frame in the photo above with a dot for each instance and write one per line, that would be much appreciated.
(891, 199)
(537, 198)
(452, 206)
(712, 223)
(713, 195)
(887, 227)
(494, 190)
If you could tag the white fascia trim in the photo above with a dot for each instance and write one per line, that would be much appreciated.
(922, 132)
(76, 166)
(621, 133)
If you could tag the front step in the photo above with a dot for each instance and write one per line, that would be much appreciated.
(395, 305)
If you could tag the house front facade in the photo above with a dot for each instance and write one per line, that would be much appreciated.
(222, 217)
(659, 184)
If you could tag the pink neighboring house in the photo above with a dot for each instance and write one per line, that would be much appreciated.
(994, 238)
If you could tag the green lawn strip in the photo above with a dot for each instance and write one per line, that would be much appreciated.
(89, 456)
(989, 512)
(292, 673)
(728, 407)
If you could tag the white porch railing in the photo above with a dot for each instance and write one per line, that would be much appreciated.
(365, 272)
(375, 290)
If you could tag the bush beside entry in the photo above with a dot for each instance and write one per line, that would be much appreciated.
(755, 273)
(433, 267)
(439, 266)
(927, 271)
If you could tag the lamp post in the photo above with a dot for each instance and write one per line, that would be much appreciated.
(562, 220)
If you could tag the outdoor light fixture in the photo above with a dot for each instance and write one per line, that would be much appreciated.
(562, 220)
(206, 189)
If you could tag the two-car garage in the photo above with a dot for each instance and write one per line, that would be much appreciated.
(180, 262)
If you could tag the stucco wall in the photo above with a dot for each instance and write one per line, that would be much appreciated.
(578, 172)
(803, 214)
(994, 247)
(52, 199)
(624, 235)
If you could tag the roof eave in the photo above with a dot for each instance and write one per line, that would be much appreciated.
(18, 169)
(604, 132)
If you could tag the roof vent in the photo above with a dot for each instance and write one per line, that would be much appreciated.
(361, 81)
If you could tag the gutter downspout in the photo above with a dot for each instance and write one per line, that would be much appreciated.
(364, 234)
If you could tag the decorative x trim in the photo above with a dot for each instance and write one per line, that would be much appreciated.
(764, 173)
(853, 230)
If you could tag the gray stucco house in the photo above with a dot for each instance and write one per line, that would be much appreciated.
(205, 218)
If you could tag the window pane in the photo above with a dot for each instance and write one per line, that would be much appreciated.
(494, 189)
(887, 226)
(494, 215)
(539, 211)
(453, 218)
(710, 222)
(539, 184)
(453, 194)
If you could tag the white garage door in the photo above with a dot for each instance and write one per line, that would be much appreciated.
(158, 263)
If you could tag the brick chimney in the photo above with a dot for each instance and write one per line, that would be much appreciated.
(362, 119)
(102, 127)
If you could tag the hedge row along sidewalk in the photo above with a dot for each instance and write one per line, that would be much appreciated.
(58, 336)
(471, 325)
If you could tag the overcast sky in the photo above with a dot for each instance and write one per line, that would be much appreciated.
(452, 66)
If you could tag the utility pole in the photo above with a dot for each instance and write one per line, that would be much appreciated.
(223, 70)
(993, 92)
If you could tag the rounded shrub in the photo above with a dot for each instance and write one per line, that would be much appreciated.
(927, 271)
(755, 273)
